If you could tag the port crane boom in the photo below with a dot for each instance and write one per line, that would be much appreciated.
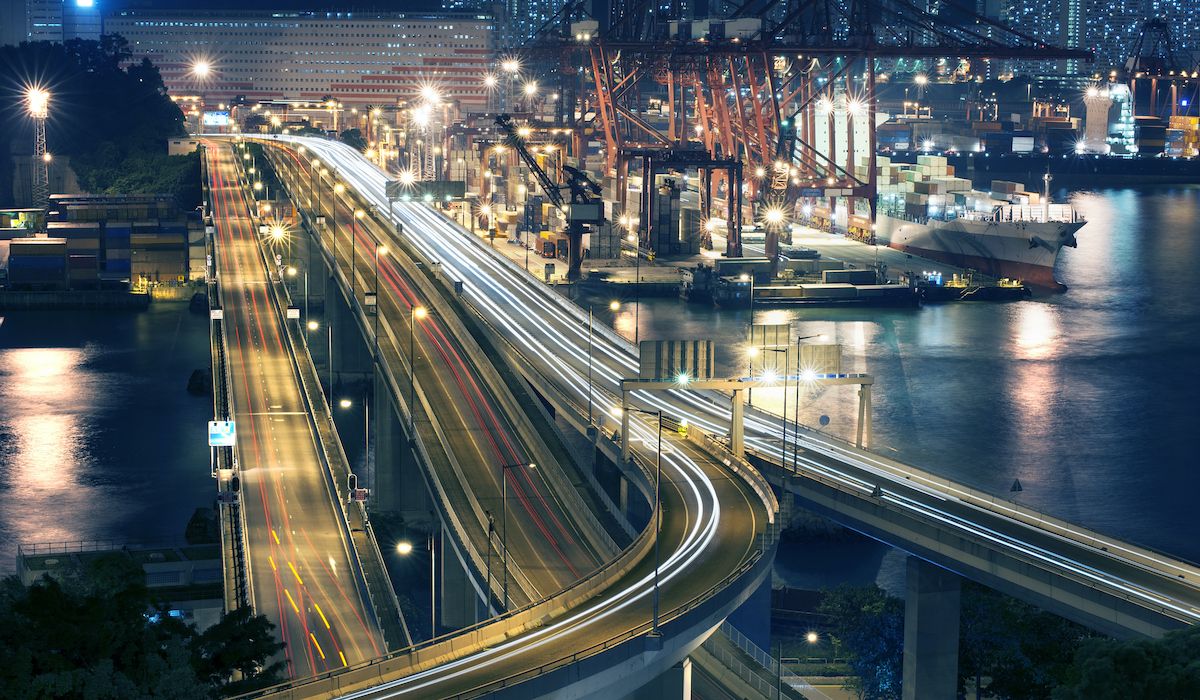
(584, 207)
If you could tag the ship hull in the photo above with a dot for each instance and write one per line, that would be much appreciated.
(1023, 250)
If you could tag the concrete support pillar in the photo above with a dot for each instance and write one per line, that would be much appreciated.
(931, 610)
(737, 424)
(623, 495)
(398, 485)
(351, 354)
(457, 599)
(673, 684)
(863, 438)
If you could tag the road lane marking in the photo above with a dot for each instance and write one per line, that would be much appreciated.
(317, 645)
(292, 601)
(318, 607)
(343, 657)
(296, 573)
(275, 535)
(272, 560)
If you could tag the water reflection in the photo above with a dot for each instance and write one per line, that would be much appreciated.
(46, 440)
(1036, 331)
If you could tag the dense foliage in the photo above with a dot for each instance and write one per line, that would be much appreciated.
(868, 625)
(110, 115)
(1106, 669)
(1008, 649)
(90, 637)
(355, 139)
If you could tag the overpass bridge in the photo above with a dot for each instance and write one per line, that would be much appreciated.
(303, 570)
(1105, 583)
(583, 624)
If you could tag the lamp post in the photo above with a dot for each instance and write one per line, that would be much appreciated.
(612, 306)
(786, 350)
(796, 437)
(380, 249)
(657, 506)
(358, 214)
(491, 522)
(418, 312)
(337, 189)
(312, 182)
(404, 548)
(504, 520)
(347, 404)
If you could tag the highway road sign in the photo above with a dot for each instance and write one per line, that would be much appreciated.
(216, 314)
(221, 433)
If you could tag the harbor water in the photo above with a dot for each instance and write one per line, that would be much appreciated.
(99, 438)
(1087, 397)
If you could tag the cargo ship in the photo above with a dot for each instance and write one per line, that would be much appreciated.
(1006, 232)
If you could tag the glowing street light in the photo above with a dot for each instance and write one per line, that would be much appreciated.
(404, 548)
(418, 313)
(510, 65)
(531, 88)
(201, 68)
(37, 101)
(489, 81)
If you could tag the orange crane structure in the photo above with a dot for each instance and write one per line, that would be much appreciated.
(751, 87)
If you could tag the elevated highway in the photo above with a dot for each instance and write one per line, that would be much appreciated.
(303, 574)
(1108, 584)
(582, 624)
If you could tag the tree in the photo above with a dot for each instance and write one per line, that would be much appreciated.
(869, 625)
(240, 642)
(1010, 649)
(1165, 669)
(89, 636)
(354, 138)
(109, 115)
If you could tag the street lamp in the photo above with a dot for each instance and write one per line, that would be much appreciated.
(379, 250)
(657, 511)
(358, 214)
(404, 548)
(504, 519)
(417, 313)
(783, 414)
(347, 404)
(612, 306)
(201, 68)
(749, 277)
(491, 523)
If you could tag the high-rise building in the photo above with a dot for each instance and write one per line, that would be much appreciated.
(357, 58)
(49, 20)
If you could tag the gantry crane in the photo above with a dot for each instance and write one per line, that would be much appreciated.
(583, 209)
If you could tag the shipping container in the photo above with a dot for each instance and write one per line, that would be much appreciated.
(849, 277)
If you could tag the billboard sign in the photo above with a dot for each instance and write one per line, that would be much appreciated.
(221, 433)
(215, 118)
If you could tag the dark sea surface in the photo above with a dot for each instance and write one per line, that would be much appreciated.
(99, 438)
(1090, 397)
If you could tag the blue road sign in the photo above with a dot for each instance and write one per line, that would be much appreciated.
(221, 433)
